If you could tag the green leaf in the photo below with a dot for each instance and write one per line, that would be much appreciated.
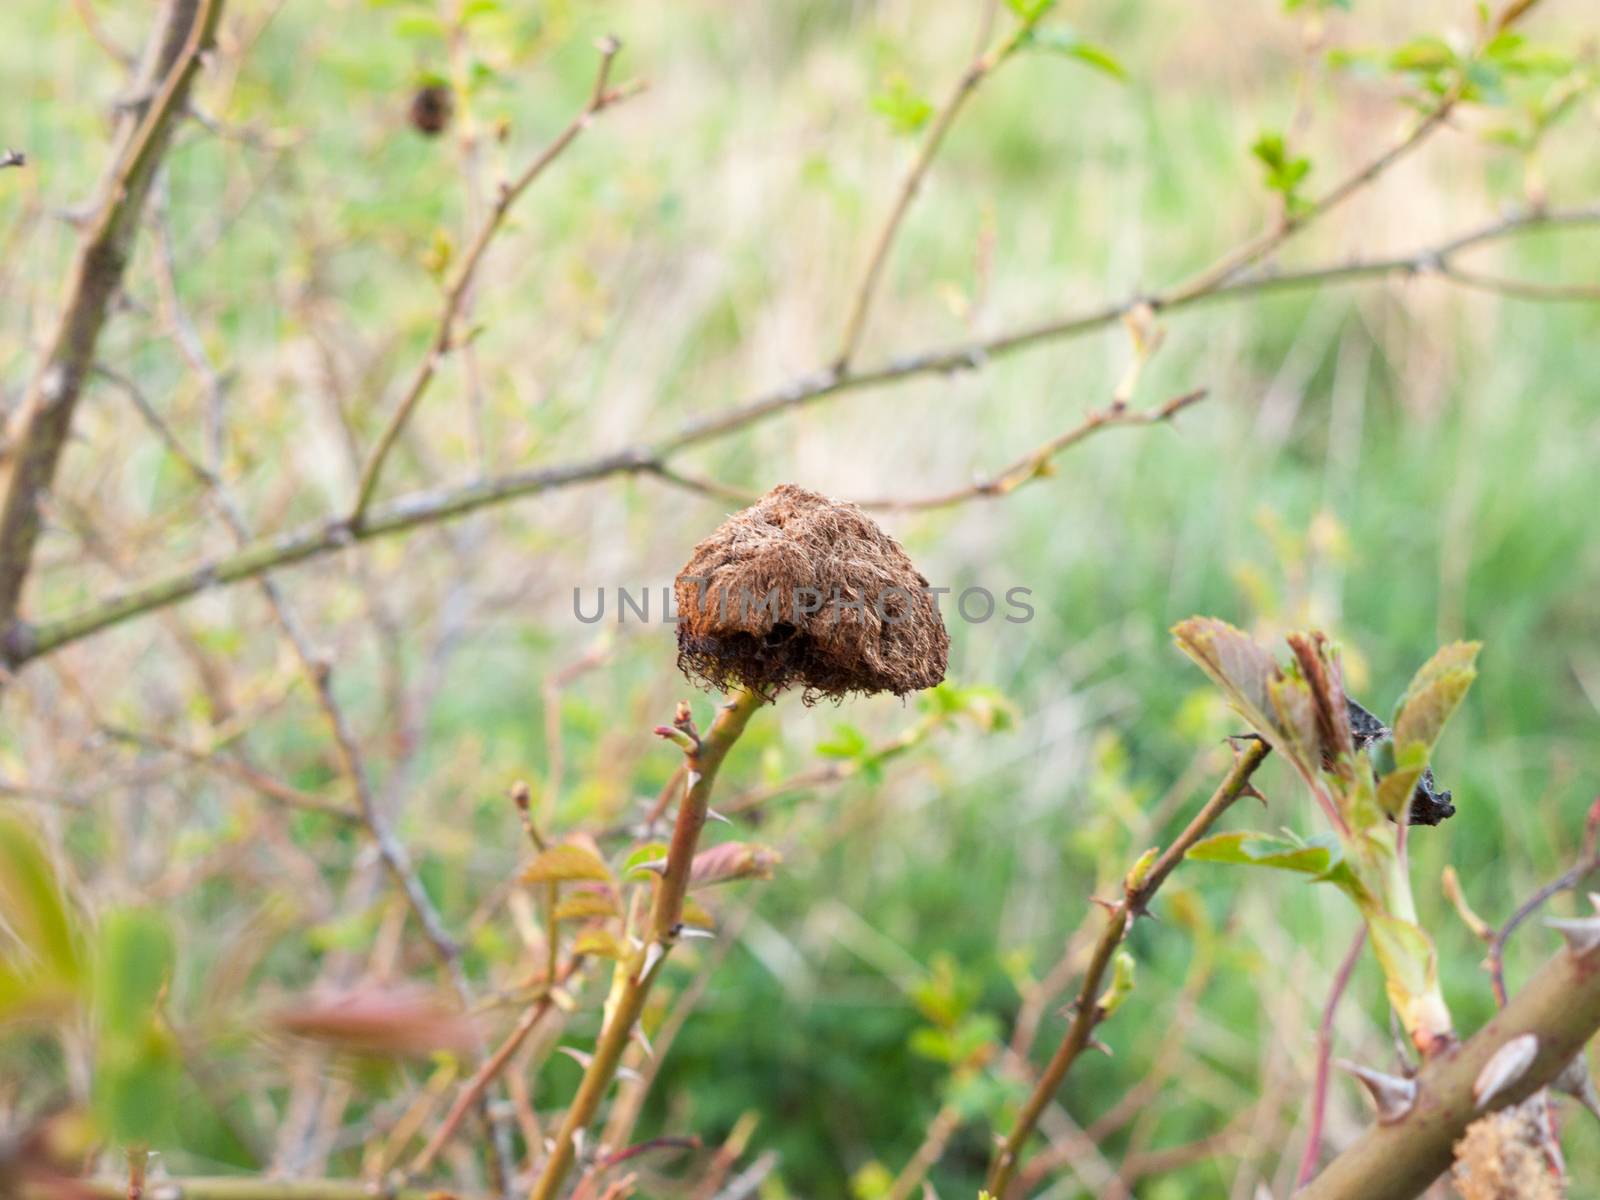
(133, 966)
(33, 908)
(904, 109)
(1030, 11)
(566, 863)
(421, 26)
(137, 1068)
(580, 906)
(598, 943)
(1317, 857)
(1424, 54)
(1062, 41)
(847, 742)
(1284, 172)
(641, 856)
(1236, 663)
(1122, 977)
(1448, 661)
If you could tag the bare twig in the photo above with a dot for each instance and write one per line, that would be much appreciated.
(473, 1090)
(38, 430)
(601, 97)
(1037, 463)
(1319, 1086)
(1086, 1015)
(23, 641)
(977, 71)
(1588, 863)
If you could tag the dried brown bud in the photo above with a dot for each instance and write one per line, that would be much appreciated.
(431, 109)
(800, 590)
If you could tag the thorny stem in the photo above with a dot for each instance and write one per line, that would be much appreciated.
(602, 96)
(704, 758)
(23, 641)
(1086, 1012)
(1560, 1006)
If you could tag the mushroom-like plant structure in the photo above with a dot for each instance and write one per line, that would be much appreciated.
(802, 591)
(796, 591)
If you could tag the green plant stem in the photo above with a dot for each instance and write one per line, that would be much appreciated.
(1086, 1014)
(704, 759)
(1560, 1006)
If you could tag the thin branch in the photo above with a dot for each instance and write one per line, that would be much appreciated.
(977, 71)
(23, 641)
(1087, 1013)
(640, 971)
(234, 1187)
(1037, 463)
(267, 785)
(1319, 1087)
(601, 97)
(39, 429)
(1521, 289)
(1289, 223)
(1588, 863)
(473, 1089)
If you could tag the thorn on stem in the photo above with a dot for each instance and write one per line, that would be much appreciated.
(1505, 1066)
(1581, 935)
(1393, 1096)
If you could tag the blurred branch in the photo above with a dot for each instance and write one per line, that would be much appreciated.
(257, 780)
(1319, 1086)
(1588, 863)
(1039, 463)
(977, 71)
(1292, 221)
(1559, 1008)
(96, 31)
(37, 432)
(1036, 464)
(1137, 893)
(232, 1187)
(638, 972)
(473, 1090)
(25, 641)
(602, 97)
(940, 1130)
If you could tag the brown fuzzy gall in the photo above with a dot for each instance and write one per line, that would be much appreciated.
(800, 590)
(1502, 1156)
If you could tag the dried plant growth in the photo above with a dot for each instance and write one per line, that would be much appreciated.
(805, 592)
(284, 282)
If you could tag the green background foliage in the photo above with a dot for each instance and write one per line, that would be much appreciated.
(1399, 462)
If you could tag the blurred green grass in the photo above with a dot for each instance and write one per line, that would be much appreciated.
(1435, 450)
